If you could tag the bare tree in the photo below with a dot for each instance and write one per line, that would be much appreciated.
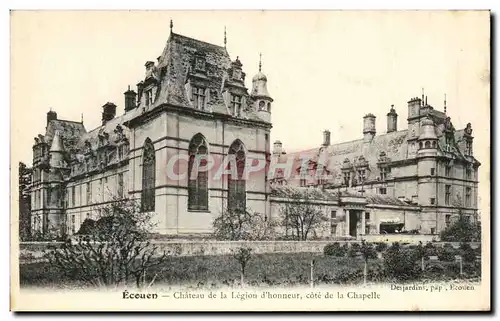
(113, 250)
(300, 213)
(242, 224)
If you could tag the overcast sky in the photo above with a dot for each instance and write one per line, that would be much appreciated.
(325, 70)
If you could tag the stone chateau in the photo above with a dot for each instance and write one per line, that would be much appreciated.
(193, 101)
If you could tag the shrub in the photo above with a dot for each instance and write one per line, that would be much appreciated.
(355, 246)
(401, 264)
(380, 247)
(446, 254)
(467, 253)
(334, 249)
(430, 249)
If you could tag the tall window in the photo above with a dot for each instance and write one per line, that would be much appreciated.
(120, 185)
(383, 173)
(199, 97)
(148, 177)
(447, 194)
(468, 192)
(468, 173)
(73, 221)
(236, 185)
(447, 219)
(447, 169)
(149, 97)
(468, 147)
(73, 196)
(347, 178)
(198, 180)
(236, 105)
(89, 193)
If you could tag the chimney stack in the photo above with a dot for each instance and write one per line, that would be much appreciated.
(277, 148)
(130, 97)
(108, 112)
(51, 115)
(392, 120)
(326, 138)
(368, 127)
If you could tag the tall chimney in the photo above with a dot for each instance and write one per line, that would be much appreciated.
(51, 115)
(326, 138)
(108, 112)
(368, 127)
(277, 148)
(392, 120)
(130, 97)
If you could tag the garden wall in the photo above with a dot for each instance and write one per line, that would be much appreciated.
(33, 250)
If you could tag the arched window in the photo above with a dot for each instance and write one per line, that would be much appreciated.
(198, 185)
(434, 144)
(420, 145)
(237, 185)
(427, 144)
(148, 176)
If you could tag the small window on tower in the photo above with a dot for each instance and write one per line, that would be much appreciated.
(269, 107)
(262, 105)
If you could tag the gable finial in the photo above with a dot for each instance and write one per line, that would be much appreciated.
(445, 104)
(81, 120)
(225, 37)
(423, 95)
(171, 26)
(260, 61)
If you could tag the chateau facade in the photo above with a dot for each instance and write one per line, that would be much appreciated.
(420, 178)
(193, 102)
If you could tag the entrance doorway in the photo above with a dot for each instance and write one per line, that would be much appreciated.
(353, 223)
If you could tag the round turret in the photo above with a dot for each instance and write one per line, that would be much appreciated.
(261, 97)
(427, 138)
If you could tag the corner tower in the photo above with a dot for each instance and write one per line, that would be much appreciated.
(260, 95)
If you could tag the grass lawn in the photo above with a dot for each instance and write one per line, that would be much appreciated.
(272, 269)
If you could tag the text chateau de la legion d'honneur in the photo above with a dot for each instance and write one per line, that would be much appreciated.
(193, 101)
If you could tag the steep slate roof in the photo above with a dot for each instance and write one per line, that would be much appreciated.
(287, 191)
(175, 64)
(69, 131)
(393, 144)
(109, 127)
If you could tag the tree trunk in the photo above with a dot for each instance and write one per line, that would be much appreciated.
(365, 272)
(423, 263)
(242, 276)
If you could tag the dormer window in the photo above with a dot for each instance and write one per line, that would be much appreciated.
(149, 97)
(236, 74)
(347, 178)
(199, 64)
(198, 97)
(468, 148)
(383, 173)
(236, 105)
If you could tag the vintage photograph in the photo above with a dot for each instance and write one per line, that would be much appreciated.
(267, 158)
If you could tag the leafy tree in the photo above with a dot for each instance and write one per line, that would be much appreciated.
(467, 253)
(421, 254)
(243, 255)
(25, 174)
(115, 249)
(368, 252)
(300, 214)
(461, 230)
(400, 264)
